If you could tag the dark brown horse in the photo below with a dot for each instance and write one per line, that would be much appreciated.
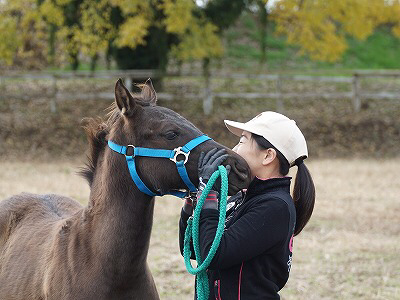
(53, 248)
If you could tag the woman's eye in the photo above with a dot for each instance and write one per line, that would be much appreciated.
(171, 135)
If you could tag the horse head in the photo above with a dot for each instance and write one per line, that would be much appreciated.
(140, 123)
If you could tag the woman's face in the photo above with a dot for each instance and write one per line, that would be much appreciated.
(249, 150)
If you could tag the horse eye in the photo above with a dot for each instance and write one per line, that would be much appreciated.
(171, 135)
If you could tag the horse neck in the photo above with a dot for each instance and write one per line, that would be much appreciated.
(122, 216)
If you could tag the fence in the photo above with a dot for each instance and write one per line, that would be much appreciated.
(356, 94)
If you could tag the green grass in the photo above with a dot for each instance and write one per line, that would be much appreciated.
(379, 51)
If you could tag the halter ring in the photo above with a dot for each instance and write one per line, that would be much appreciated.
(133, 152)
(179, 151)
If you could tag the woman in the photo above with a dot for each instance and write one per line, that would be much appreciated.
(255, 254)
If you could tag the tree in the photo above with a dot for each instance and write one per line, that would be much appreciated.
(81, 26)
(138, 34)
(22, 34)
(320, 27)
(178, 26)
(263, 21)
(146, 33)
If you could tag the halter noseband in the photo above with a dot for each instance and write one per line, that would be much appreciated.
(163, 153)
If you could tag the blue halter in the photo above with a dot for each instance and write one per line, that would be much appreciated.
(171, 154)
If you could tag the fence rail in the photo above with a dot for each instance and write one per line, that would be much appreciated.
(356, 94)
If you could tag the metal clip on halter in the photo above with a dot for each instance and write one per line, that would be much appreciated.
(178, 151)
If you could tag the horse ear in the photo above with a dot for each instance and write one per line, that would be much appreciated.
(124, 99)
(148, 92)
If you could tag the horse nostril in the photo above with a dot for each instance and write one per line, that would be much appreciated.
(241, 171)
(240, 168)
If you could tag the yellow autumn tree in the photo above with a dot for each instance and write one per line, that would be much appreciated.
(82, 26)
(320, 27)
(22, 34)
(85, 27)
(197, 37)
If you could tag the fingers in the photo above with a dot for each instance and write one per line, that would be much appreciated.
(228, 169)
(219, 161)
(210, 153)
(200, 161)
(216, 155)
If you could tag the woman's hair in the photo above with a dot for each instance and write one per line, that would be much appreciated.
(304, 189)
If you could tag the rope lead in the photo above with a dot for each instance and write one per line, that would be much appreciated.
(192, 232)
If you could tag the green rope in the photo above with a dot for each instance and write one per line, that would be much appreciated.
(192, 231)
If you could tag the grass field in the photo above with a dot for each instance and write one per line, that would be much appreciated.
(349, 250)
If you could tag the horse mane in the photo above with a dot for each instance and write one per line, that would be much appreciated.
(97, 130)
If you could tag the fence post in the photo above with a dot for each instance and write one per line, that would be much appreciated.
(53, 104)
(356, 93)
(208, 97)
(128, 83)
(279, 102)
(2, 87)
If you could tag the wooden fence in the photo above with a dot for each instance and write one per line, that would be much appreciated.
(356, 94)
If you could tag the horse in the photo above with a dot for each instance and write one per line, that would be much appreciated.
(53, 248)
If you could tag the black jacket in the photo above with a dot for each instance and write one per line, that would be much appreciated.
(255, 254)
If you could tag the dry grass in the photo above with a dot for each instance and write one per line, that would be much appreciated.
(349, 250)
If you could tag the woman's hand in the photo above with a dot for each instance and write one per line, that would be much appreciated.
(208, 163)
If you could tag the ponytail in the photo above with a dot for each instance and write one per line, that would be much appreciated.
(304, 189)
(303, 196)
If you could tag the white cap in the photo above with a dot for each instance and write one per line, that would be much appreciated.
(279, 130)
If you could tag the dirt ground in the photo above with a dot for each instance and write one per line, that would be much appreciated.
(349, 250)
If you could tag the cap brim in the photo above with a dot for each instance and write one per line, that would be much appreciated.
(236, 128)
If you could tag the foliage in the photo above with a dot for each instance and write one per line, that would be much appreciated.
(198, 35)
(320, 27)
(87, 27)
(22, 33)
(39, 32)
(10, 40)
(377, 51)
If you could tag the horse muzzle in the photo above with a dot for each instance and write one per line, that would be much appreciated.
(239, 176)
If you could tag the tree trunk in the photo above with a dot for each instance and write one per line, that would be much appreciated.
(74, 61)
(108, 56)
(263, 19)
(93, 62)
(52, 44)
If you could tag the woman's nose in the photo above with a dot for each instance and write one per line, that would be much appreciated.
(234, 149)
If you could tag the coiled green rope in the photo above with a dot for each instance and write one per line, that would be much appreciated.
(192, 231)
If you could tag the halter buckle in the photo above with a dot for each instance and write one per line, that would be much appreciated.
(179, 151)
(133, 150)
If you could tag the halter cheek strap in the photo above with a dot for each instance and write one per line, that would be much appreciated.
(162, 153)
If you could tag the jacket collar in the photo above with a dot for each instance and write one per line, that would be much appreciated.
(260, 186)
